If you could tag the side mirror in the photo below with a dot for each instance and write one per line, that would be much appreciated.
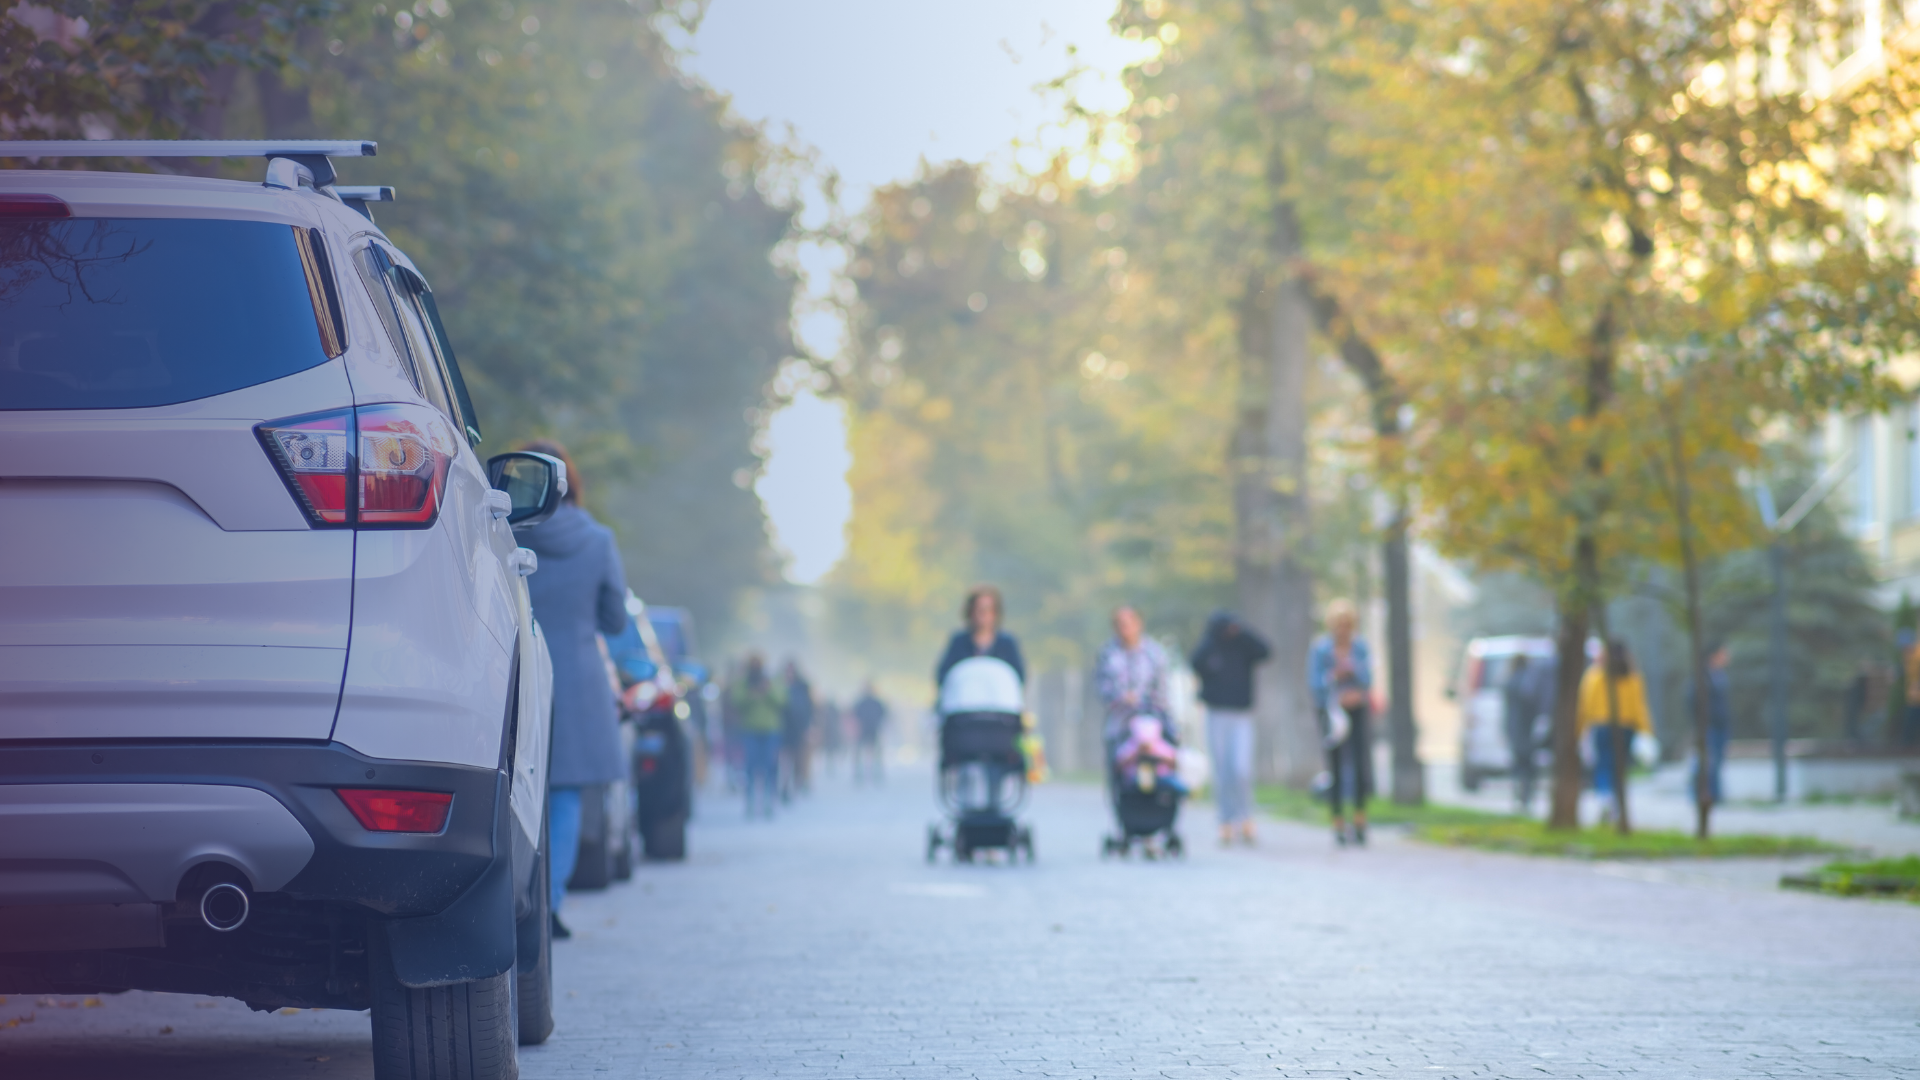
(535, 482)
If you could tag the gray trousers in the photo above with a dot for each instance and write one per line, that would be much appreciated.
(1230, 742)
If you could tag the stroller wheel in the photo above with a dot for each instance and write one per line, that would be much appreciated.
(933, 842)
(1176, 847)
(1026, 842)
(962, 852)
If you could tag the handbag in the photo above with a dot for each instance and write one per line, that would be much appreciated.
(1339, 724)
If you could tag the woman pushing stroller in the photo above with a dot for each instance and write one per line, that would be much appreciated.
(1142, 779)
(980, 682)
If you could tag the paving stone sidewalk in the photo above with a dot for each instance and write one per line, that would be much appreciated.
(822, 945)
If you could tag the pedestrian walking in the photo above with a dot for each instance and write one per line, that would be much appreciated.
(758, 705)
(1910, 719)
(1340, 675)
(1130, 675)
(982, 613)
(732, 743)
(1719, 720)
(833, 733)
(1225, 661)
(796, 729)
(580, 591)
(1611, 718)
(1528, 698)
(870, 714)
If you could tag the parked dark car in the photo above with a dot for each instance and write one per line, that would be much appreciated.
(662, 748)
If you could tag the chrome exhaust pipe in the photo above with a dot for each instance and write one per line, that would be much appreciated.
(225, 907)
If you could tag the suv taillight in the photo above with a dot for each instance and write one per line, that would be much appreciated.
(385, 810)
(377, 466)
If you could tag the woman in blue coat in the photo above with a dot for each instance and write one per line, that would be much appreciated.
(579, 591)
(1340, 673)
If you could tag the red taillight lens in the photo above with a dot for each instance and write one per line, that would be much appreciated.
(313, 454)
(393, 457)
(22, 206)
(380, 810)
(404, 454)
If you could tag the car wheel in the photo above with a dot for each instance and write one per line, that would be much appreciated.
(464, 1031)
(623, 858)
(533, 973)
(626, 844)
(594, 870)
(1470, 779)
(667, 838)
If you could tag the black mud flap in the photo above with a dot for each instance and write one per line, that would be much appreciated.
(474, 938)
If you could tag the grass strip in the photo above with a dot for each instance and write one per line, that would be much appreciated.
(1460, 826)
(1898, 878)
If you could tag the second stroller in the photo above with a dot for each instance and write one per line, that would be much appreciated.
(1144, 785)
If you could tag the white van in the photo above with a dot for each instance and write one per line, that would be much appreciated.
(273, 707)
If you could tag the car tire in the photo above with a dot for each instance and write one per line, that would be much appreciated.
(623, 855)
(594, 869)
(667, 839)
(1469, 778)
(464, 1031)
(533, 987)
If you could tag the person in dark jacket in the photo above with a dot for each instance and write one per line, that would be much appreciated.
(1528, 697)
(1224, 662)
(796, 734)
(982, 637)
(1719, 719)
(870, 714)
(580, 590)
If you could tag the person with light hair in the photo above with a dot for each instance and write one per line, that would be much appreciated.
(1340, 675)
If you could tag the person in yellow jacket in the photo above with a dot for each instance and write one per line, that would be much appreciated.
(1601, 714)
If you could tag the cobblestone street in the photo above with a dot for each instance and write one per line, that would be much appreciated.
(822, 944)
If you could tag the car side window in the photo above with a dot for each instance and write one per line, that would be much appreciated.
(392, 298)
(417, 299)
(454, 378)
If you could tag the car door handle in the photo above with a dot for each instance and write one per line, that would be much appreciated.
(499, 503)
(523, 561)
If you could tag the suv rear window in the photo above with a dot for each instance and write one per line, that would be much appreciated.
(120, 313)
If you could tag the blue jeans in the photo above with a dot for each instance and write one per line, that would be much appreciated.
(1716, 759)
(563, 838)
(763, 767)
(1603, 770)
(1230, 738)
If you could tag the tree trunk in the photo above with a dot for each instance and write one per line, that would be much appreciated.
(1679, 492)
(1270, 510)
(1409, 776)
(1570, 647)
(1579, 605)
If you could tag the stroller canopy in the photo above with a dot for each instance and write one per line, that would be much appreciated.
(981, 684)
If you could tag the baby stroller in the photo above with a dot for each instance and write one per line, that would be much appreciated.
(1146, 804)
(983, 774)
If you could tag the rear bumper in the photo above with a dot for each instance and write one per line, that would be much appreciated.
(123, 822)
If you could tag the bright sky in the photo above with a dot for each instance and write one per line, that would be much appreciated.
(877, 87)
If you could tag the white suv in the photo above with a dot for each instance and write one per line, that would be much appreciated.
(273, 707)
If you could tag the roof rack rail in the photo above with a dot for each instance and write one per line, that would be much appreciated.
(312, 154)
(358, 197)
